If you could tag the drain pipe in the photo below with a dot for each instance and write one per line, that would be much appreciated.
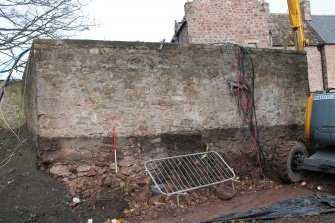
(324, 66)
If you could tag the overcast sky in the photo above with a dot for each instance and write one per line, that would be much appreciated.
(153, 20)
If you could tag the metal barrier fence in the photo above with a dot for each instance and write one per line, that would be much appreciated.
(178, 174)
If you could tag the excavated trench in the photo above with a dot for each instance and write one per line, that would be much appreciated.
(31, 195)
(86, 165)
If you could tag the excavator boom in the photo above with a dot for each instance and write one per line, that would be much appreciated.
(296, 24)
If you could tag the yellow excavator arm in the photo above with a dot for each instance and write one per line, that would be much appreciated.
(296, 24)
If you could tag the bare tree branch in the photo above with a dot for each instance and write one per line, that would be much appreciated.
(21, 21)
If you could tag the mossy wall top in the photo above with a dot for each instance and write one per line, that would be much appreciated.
(83, 88)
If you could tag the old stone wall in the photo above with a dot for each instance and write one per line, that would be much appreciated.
(314, 68)
(214, 21)
(12, 106)
(315, 78)
(162, 103)
(330, 58)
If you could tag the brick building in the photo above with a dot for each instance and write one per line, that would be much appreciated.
(250, 23)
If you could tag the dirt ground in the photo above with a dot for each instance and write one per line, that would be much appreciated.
(30, 195)
(240, 203)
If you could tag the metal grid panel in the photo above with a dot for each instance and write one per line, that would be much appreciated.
(174, 175)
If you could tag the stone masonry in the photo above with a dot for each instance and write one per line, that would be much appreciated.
(315, 79)
(314, 68)
(162, 103)
(214, 21)
(12, 106)
(250, 23)
(330, 52)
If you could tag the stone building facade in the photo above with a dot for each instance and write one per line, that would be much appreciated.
(207, 24)
(250, 23)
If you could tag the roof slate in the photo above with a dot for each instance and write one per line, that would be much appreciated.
(325, 26)
(280, 28)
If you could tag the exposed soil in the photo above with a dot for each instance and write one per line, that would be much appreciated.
(251, 194)
(31, 195)
(213, 209)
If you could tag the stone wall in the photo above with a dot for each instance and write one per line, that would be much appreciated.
(315, 78)
(330, 58)
(12, 106)
(162, 103)
(214, 21)
(314, 68)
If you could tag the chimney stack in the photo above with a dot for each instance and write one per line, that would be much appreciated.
(305, 6)
(266, 7)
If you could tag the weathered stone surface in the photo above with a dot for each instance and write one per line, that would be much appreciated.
(141, 182)
(170, 95)
(60, 170)
(86, 194)
(101, 170)
(125, 171)
(105, 156)
(85, 154)
(112, 166)
(98, 182)
(156, 140)
(81, 174)
(83, 168)
(92, 172)
(127, 161)
(50, 157)
(71, 154)
(157, 200)
(225, 192)
(110, 181)
(250, 22)
(330, 56)
(125, 164)
(73, 176)
(11, 106)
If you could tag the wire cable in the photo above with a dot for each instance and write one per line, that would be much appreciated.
(3, 87)
(5, 83)
(8, 158)
(246, 97)
(3, 117)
